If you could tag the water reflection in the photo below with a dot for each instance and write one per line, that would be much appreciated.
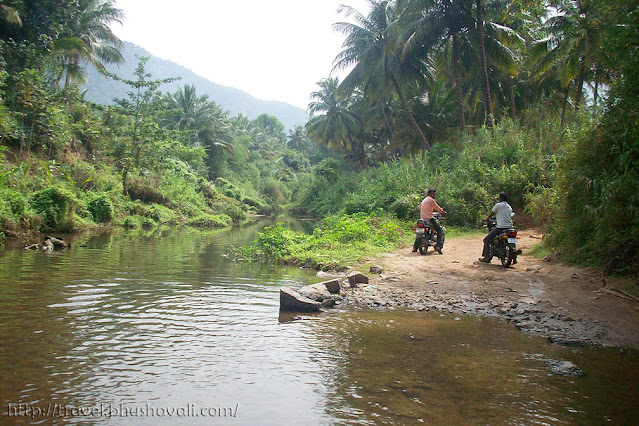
(166, 320)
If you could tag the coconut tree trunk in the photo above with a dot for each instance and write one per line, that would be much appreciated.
(358, 149)
(387, 121)
(410, 114)
(511, 95)
(563, 109)
(580, 87)
(484, 67)
(596, 91)
(458, 88)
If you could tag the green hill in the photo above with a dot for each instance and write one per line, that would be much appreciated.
(103, 90)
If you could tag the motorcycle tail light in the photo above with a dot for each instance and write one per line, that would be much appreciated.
(512, 233)
(420, 225)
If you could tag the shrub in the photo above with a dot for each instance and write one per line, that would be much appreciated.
(12, 208)
(55, 206)
(100, 208)
(148, 223)
(210, 221)
(234, 212)
(405, 207)
(131, 221)
(253, 202)
(162, 214)
(145, 190)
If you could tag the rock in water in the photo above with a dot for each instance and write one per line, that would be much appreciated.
(317, 292)
(565, 368)
(57, 242)
(291, 300)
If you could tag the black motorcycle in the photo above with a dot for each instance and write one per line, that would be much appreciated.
(426, 235)
(504, 245)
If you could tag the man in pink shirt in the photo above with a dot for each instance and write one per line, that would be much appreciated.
(426, 208)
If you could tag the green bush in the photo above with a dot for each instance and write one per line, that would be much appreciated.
(100, 208)
(405, 207)
(234, 212)
(132, 221)
(12, 208)
(253, 202)
(148, 223)
(162, 214)
(56, 207)
(210, 221)
(145, 190)
(337, 242)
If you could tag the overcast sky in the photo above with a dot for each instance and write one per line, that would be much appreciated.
(272, 49)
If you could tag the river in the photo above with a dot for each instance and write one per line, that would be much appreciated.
(163, 327)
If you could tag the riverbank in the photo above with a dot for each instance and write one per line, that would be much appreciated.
(569, 305)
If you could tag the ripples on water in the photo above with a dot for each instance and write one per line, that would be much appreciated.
(166, 320)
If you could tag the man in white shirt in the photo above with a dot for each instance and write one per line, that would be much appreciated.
(503, 211)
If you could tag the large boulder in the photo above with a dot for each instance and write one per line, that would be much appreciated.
(356, 277)
(291, 300)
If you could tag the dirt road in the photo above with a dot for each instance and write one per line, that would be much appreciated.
(569, 305)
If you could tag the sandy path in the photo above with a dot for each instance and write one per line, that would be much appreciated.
(567, 304)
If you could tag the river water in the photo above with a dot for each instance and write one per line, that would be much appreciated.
(162, 327)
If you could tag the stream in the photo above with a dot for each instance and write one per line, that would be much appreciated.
(163, 327)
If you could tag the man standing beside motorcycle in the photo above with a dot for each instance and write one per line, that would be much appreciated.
(426, 208)
(503, 212)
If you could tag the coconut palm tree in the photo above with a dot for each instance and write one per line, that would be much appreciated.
(9, 12)
(572, 49)
(333, 123)
(431, 26)
(297, 138)
(89, 39)
(488, 105)
(187, 110)
(369, 48)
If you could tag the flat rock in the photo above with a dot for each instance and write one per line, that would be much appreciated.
(317, 292)
(291, 300)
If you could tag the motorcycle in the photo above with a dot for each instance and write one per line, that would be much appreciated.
(425, 233)
(504, 245)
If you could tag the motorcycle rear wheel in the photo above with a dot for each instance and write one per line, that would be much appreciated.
(423, 249)
(509, 255)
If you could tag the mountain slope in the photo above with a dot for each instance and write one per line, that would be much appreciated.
(102, 90)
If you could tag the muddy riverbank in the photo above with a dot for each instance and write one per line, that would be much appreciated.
(567, 304)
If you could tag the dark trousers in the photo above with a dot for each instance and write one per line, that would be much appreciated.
(440, 234)
(492, 234)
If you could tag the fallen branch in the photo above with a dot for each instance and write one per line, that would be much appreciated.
(621, 293)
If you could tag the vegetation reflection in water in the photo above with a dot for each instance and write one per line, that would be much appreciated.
(166, 320)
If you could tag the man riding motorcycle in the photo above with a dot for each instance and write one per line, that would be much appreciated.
(503, 212)
(426, 208)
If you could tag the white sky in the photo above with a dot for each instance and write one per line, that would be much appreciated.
(272, 49)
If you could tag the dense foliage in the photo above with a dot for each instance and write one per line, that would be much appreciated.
(152, 159)
(537, 98)
(333, 245)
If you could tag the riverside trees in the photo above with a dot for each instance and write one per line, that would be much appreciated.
(498, 57)
(539, 63)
